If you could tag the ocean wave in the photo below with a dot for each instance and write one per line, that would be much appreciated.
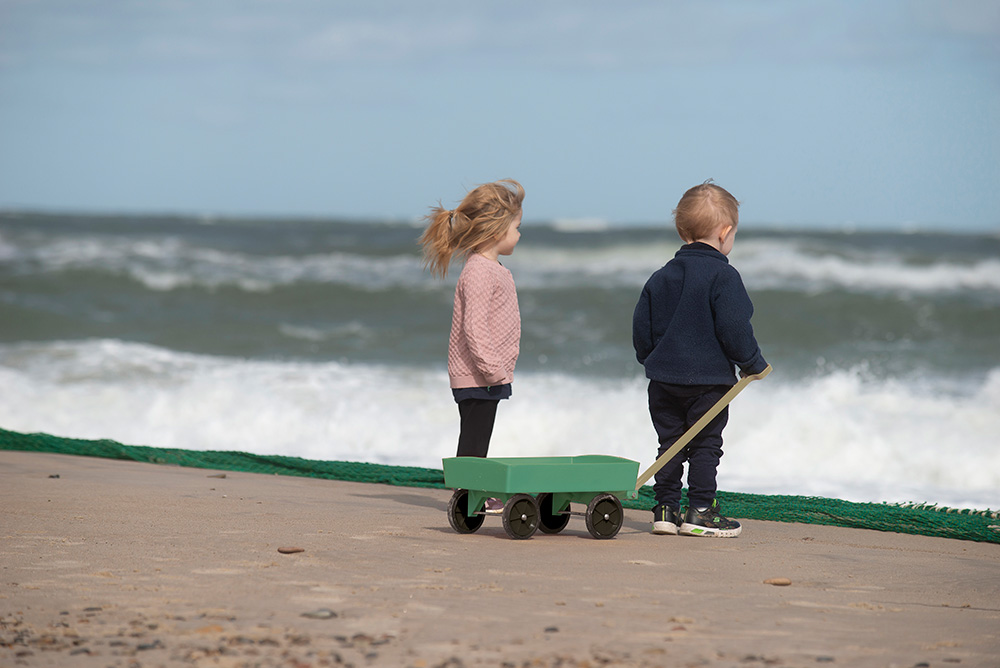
(571, 225)
(840, 434)
(790, 265)
(8, 252)
(581, 259)
(171, 264)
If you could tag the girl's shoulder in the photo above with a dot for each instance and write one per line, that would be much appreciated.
(477, 264)
(481, 270)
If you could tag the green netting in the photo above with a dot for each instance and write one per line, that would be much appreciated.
(924, 520)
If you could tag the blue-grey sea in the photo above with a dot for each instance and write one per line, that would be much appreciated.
(328, 340)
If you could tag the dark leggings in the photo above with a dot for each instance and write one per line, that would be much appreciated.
(477, 416)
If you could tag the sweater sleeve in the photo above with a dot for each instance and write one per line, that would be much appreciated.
(733, 311)
(642, 335)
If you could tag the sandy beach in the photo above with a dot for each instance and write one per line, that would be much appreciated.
(112, 563)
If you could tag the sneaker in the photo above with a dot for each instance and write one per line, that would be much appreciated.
(493, 506)
(709, 523)
(665, 520)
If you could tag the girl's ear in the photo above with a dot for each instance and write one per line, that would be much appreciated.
(724, 232)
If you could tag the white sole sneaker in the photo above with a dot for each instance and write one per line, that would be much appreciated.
(665, 528)
(708, 532)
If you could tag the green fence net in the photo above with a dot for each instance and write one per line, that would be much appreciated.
(921, 519)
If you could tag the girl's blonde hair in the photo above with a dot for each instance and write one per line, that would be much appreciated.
(703, 209)
(479, 221)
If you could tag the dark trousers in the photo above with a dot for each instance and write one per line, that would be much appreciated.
(478, 416)
(674, 408)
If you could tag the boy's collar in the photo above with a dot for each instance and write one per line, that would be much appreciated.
(701, 246)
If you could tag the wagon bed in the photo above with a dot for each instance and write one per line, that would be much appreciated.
(537, 492)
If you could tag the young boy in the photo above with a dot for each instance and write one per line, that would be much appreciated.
(689, 329)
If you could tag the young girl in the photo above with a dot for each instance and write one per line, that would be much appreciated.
(485, 323)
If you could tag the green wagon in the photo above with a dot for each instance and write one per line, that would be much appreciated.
(537, 492)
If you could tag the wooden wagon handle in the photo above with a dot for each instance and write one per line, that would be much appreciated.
(699, 425)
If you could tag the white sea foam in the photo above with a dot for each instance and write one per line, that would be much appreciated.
(846, 436)
(839, 435)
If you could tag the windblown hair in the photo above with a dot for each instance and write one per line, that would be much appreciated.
(704, 209)
(479, 221)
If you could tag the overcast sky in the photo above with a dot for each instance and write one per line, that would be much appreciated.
(813, 113)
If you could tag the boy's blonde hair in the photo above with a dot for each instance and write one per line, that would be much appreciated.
(479, 221)
(704, 209)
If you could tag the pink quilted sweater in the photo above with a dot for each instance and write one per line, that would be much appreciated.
(485, 326)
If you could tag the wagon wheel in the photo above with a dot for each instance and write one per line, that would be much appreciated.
(550, 522)
(520, 516)
(458, 518)
(604, 516)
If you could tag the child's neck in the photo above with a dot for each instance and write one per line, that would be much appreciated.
(714, 243)
(491, 254)
(721, 239)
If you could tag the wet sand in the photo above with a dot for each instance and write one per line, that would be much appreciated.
(126, 564)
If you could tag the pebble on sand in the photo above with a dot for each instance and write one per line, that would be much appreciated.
(778, 582)
(291, 550)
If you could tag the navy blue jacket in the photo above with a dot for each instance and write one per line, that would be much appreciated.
(692, 323)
